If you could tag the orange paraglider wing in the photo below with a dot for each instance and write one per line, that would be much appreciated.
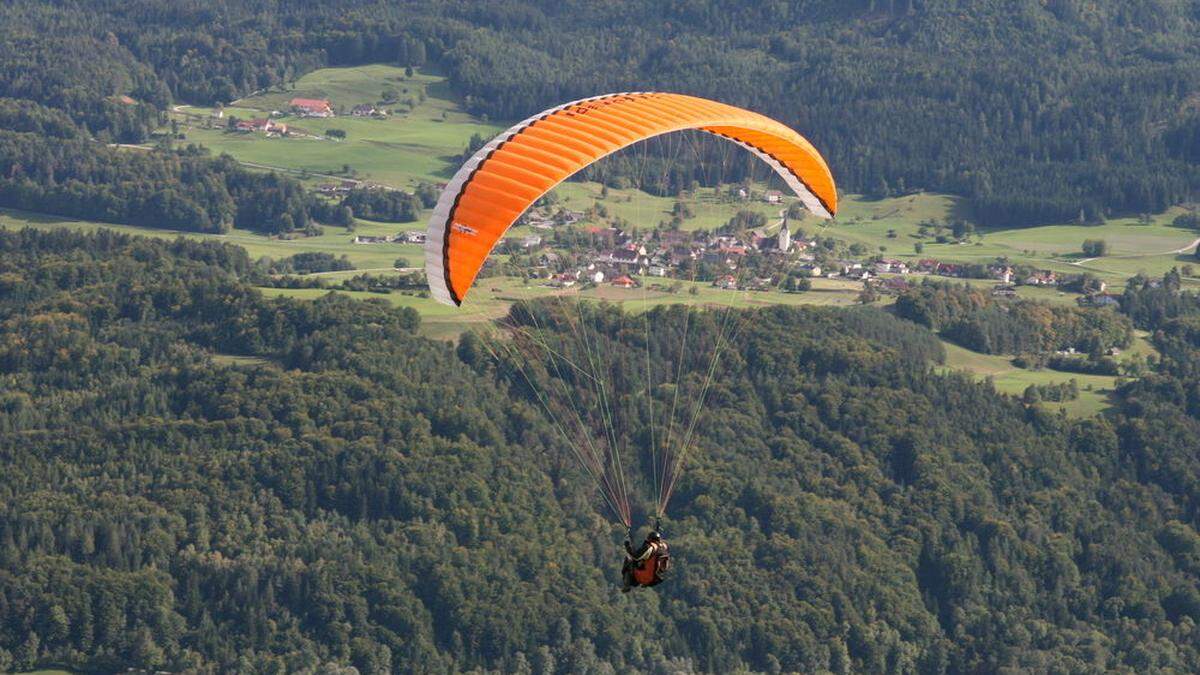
(497, 184)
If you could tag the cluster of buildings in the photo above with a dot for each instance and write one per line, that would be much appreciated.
(544, 219)
(410, 237)
(317, 108)
(616, 256)
(264, 125)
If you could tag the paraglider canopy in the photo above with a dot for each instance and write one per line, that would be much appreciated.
(496, 185)
(604, 408)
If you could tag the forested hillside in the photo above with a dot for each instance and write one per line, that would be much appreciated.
(198, 478)
(1038, 111)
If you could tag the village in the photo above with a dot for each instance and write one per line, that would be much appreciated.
(559, 248)
(562, 248)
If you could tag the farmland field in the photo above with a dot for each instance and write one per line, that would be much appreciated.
(1094, 390)
(1152, 248)
(491, 298)
(417, 142)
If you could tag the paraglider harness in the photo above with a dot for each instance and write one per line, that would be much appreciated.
(652, 570)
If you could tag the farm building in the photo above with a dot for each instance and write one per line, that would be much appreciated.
(311, 107)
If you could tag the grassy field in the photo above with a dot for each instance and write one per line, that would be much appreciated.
(1010, 379)
(1134, 247)
(491, 298)
(413, 144)
(1094, 390)
(335, 240)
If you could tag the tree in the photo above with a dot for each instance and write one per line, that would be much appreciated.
(26, 656)
(1188, 220)
(1095, 248)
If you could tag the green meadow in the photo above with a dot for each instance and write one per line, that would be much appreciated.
(418, 141)
(1094, 390)
(335, 240)
(890, 226)
(491, 298)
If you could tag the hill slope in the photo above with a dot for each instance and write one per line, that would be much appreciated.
(198, 477)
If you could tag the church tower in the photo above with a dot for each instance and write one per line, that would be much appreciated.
(785, 237)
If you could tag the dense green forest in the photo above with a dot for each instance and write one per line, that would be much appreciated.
(200, 478)
(971, 317)
(1038, 111)
(184, 190)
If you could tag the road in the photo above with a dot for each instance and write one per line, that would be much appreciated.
(361, 271)
(1190, 247)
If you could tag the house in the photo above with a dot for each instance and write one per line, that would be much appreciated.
(629, 254)
(262, 125)
(412, 237)
(365, 110)
(1004, 290)
(656, 271)
(854, 270)
(949, 269)
(927, 265)
(365, 239)
(564, 280)
(1100, 300)
(727, 282)
(1042, 278)
(595, 276)
(604, 237)
(624, 281)
(772, 196)
(531, 241)
(311, 107)
(810, 270)
(891, 266)
(1001, 273)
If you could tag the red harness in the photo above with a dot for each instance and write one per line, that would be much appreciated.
(651, 570)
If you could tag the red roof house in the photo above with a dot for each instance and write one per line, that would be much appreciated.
(312, 107)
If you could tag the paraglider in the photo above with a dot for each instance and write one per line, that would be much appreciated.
(648, 564)
(501, 181)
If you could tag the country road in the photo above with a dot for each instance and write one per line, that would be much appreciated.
(1185, 249)
(372, 269)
